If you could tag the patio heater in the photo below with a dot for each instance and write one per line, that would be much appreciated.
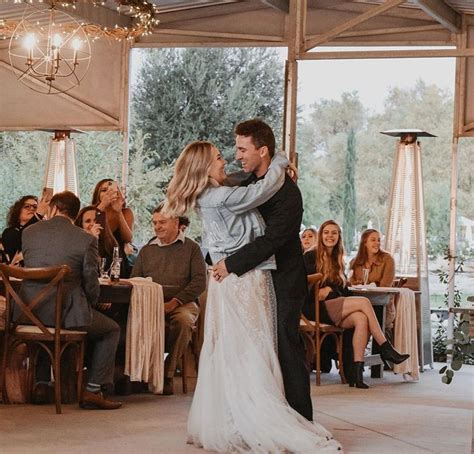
(406, 228)
(61, 168)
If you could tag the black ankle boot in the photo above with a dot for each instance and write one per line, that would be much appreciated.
(357, 378)
(388, 353)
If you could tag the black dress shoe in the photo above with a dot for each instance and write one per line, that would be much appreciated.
(96, 401)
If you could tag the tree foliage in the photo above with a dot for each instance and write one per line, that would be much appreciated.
(322, 144)
(183, 95)
(349, 194)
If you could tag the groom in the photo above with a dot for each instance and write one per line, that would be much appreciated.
(283, 213)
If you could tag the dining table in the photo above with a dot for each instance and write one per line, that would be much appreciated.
(137, 304)
(406, 332)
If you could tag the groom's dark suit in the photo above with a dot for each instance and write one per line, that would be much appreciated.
(283, 214)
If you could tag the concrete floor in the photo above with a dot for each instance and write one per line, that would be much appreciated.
(392, 416)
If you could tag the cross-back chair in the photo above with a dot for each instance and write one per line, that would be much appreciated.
(28, 329)
(320, 331)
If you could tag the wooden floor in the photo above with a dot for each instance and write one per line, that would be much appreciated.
(392, 416)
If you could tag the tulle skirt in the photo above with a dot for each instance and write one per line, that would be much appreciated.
(239, 403)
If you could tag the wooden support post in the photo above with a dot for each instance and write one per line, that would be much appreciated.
(124, 110)
(459, 100)
(296, 32)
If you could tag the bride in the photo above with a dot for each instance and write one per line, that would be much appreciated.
(239, 402)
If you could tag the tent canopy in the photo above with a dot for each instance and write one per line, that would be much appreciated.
(305, 27)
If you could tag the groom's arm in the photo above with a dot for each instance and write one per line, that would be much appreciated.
(282, 221)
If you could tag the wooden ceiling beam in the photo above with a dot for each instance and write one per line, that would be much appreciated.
(390, 31)
(207, 11)
(369, 54)
(361, 18)
(442, 13)
(281, 5)
(212, 34)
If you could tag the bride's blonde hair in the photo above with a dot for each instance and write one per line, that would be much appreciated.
(191, 176)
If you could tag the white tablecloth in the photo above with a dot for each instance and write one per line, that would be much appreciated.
(405, 335)
(145, 340)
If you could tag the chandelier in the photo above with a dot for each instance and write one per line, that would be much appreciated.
(50, 51)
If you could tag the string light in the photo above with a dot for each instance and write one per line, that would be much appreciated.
(144, 12)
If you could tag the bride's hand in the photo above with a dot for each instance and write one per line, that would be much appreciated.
(219, 271)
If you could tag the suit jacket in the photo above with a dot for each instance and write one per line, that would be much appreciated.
(59, 242)
(282, 214)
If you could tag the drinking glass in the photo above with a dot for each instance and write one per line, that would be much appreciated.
(365, 275)
(102, 268)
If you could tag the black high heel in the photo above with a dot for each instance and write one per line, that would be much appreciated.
(388, 353)
(357, 376)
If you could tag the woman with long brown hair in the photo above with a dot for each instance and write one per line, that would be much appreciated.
(238, 405)
(373, 265)
(345, 310)
(370, 256)
(87, 220)
(119, 219)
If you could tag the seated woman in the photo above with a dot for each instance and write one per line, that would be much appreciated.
(309, 239)
(23, 213)
(370, 256)
(87, 220)
(108, 199)
(379, 267)
(341, 309)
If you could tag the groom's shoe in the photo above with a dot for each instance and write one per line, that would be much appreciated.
(168, 387)
(96, 401)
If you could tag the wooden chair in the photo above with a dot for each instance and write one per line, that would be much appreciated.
(194, 347)
(197, 338)
(35, 335)
(399, 282)
(320, 331)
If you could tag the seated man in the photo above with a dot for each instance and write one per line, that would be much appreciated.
(56, 242)
(176, 263)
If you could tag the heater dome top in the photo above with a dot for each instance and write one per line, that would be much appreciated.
(404, 132)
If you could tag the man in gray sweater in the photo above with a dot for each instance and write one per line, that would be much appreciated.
(176, 263)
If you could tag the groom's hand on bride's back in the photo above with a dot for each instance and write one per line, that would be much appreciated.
(219, 271)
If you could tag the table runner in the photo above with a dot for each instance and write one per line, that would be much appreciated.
(145, 338)
(406, 339)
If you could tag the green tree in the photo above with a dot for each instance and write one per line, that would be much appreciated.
(323, 143)
(183, 95)
(349, 193)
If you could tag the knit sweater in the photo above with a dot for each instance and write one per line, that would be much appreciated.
(179, 267)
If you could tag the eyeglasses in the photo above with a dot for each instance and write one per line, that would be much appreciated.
(29, 206)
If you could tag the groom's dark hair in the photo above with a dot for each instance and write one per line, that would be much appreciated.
(259, 131)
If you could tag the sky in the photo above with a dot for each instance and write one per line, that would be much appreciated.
(371, 78)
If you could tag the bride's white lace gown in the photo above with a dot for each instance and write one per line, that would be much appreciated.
(239, 402)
